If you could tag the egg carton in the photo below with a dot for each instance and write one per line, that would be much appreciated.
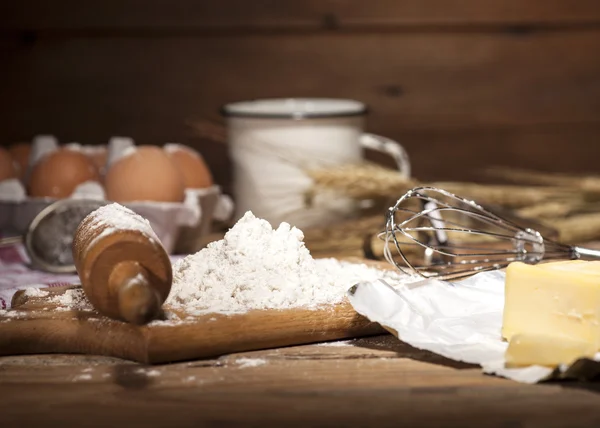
(181, 227)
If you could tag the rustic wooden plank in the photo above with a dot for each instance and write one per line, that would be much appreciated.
(40, 325)
(248, 373)
(374, 347)
(420, 81)
(308, 386)
(463, 155)
(100, 405)
(470, 100)
(296, 14)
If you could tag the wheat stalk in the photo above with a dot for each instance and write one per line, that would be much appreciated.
(347, 237)
(552, 209)
(589, 185)
(578, 228)
(370, 181)
(508, 196)
(209, 130)
(525, 176)
(360, 181)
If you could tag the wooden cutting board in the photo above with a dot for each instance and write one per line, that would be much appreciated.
(38, 325)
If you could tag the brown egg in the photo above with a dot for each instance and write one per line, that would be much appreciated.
(8, 167)
(145, 173)
(98, 155)
(196, 174)
(20, 153)
(58, 173)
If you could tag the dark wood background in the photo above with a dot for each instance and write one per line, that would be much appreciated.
(461, 83)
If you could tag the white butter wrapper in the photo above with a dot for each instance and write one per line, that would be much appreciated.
(461, 321)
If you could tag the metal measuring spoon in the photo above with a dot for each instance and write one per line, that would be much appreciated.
(49, 237)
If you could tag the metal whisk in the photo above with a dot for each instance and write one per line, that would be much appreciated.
(441, 235)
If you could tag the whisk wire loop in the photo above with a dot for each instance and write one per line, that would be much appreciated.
(459, 237)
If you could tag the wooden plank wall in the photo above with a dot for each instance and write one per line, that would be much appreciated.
(461, 83)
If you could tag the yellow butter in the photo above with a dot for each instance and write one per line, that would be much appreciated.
(559, 300)
(526, 350)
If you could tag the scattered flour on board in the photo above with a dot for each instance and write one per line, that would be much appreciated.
(257, 267)
(85, 376)
(34, 292)
(11, 314)
(148, 372)
(72, 299)
(336, 344)
(250, 362)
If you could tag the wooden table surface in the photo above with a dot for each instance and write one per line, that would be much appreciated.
(376, 381)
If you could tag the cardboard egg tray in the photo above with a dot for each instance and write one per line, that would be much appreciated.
(179, 226)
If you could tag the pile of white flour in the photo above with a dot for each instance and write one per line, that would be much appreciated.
(257, 267)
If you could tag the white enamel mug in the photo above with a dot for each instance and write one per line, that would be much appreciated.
(273, 142)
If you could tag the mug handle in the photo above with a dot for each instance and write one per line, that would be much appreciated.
(390, 148)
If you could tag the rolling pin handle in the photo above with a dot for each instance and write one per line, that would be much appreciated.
(138, 301)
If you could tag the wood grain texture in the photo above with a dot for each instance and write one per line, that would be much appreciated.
(39, 325)
(418, 81)
(470, 100)
(462, 84)
(295, 14)
(376, 381)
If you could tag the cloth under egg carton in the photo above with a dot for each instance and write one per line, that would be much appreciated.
(180, 223)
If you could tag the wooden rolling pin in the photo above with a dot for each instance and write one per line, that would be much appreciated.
(125, 272)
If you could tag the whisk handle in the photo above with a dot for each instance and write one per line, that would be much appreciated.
(586, 253)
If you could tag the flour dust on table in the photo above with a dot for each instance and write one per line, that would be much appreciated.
(257, 267)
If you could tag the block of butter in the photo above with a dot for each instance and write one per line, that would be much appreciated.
(557, 301)
(542, 350)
